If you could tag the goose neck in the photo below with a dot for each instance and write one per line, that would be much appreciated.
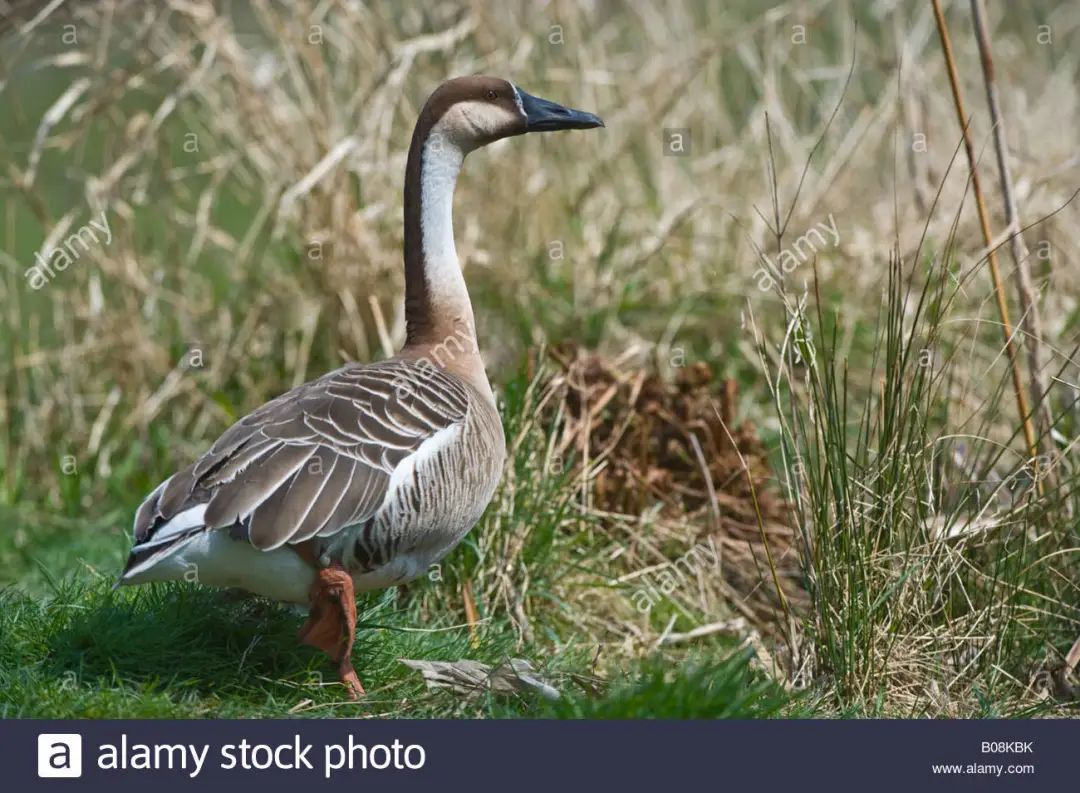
(439, 320)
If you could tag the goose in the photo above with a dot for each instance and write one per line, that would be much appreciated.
(365, 477)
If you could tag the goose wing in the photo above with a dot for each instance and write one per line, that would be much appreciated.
(316, 459)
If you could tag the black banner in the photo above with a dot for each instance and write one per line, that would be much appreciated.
(547, 756)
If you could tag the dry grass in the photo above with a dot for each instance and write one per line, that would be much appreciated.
(250, 165)
(675, 460)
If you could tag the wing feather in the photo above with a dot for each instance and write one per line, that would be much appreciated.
(228, 468)
(175, 493)
(313, 461)
(323, 502)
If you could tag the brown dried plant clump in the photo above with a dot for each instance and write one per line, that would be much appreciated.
(675, 451)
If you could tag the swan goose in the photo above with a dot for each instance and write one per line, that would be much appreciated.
(362, 478)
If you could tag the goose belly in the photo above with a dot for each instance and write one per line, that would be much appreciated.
(213, 558)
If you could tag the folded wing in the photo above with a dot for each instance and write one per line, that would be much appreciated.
(311, 462)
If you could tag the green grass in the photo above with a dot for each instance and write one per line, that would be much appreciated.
(180, 651)
(935, 588)
(703, 687)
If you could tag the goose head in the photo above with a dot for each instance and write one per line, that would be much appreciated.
(477, 110)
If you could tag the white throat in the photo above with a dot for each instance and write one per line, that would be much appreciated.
(440, 163)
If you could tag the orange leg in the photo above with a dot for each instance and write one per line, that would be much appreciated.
(331, 623)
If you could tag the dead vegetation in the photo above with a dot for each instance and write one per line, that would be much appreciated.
(676, 453)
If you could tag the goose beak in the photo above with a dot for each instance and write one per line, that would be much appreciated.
(542, 115)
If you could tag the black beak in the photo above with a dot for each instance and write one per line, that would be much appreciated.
(545, 116)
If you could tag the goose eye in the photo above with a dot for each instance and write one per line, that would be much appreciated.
(491, 94)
